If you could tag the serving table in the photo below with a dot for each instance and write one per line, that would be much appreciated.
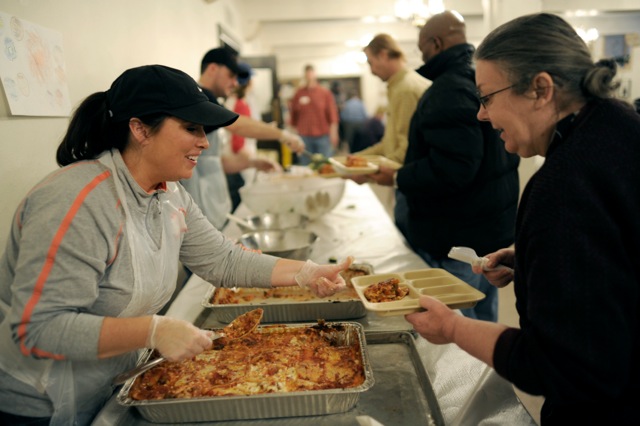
(468, 392)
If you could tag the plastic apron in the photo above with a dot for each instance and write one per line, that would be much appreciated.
(208, 184)
(155, 270)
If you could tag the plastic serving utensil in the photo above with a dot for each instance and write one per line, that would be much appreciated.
(468, 255)
(230, 329)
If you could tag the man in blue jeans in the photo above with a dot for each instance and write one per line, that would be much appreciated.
(458, 186)
(314, 115)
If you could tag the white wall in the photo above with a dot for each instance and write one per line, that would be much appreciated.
(100, 39)
(103, 38)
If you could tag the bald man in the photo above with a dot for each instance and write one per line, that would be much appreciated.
(458, 186)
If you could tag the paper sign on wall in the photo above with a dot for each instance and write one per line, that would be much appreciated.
(32, 68)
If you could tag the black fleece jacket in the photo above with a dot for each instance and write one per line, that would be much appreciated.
(577, 281)
(460, 183)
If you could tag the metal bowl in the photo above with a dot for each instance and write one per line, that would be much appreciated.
(274, 221)
(288, 243)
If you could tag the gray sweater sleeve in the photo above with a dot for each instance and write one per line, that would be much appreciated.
(217, 259)
(63, 238)
(68, 263)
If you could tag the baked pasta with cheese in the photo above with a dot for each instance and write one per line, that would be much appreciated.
(386, 291)
(271, 359)
(239, 296)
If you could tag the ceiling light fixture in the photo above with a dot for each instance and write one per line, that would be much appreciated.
(416, 12)
(588, 35)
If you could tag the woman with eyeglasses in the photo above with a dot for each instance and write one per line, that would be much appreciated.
(577, 232)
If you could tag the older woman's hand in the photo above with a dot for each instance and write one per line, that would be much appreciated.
(436, 323)
(498, 277)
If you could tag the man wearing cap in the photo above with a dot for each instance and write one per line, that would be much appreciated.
(208, 185)
(238, 102)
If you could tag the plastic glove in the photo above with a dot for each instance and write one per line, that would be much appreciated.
(294, 142)
(323, 280)
(177, 339)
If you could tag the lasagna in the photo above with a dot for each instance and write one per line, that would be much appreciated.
(272, 359)
(239, 296)
(386, 291)
(354, 161)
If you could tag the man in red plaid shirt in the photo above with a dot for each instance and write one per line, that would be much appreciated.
(314, 114)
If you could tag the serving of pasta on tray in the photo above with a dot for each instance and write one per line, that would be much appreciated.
(399, 293)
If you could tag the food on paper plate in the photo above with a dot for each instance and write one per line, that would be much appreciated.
(355, 161)
(318, 161)
(386, 291)
(326, 169)
(274, 359)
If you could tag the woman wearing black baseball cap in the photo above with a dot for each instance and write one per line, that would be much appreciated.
(94, 248)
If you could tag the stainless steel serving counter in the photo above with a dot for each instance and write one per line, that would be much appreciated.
(467, 391)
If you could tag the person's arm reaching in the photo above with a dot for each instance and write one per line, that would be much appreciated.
(323, 280)
(439, 324)
(234, 163)
(250, 128)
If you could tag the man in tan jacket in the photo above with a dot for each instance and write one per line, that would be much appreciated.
(404, 89)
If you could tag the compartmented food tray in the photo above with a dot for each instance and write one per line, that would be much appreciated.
(288, 304)
(434, 282)
(262, 406)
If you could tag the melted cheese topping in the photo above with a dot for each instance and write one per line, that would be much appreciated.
(386, 291)
(265, 361)
(227, 296)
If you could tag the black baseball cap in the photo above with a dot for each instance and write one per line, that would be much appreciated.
(246, 69)
(223, 56)
(151, 89)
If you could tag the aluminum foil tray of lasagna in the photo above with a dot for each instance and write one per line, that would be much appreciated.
(289, 304)
(283, 370)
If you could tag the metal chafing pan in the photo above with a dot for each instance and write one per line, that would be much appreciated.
(290, 404)
(343, 306)
(402, 394)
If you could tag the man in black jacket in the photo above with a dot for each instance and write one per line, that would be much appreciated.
(458, 186)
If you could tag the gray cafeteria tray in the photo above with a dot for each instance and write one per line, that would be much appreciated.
(402, 393)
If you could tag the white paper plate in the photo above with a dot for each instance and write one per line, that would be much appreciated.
(339, 165)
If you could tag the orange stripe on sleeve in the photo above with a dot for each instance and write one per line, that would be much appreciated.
(44, 182)
(48, 265)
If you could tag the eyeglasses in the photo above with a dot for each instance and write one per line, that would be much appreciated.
(484, 100)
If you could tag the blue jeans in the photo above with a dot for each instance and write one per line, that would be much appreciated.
(316, 144)
(487, 308)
